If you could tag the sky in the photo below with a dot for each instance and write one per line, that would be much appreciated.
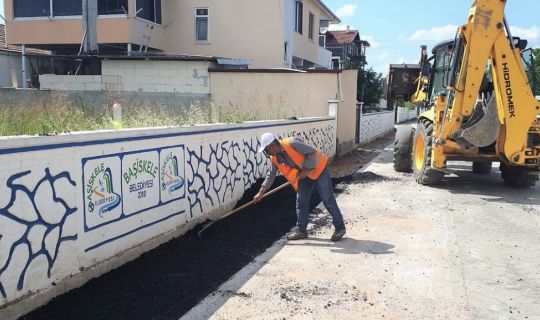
(397, 28)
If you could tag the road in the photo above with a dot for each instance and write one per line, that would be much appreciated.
(468, 249)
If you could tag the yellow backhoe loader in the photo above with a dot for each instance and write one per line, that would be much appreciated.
(482, 106)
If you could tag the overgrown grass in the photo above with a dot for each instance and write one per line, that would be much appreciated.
(63, 117)
(43, 120)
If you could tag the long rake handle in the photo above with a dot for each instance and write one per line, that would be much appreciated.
(206, 226)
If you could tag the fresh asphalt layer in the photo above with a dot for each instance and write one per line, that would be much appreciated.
(168, 281)
(466, 249)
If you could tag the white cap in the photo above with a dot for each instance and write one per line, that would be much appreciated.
(266, 139)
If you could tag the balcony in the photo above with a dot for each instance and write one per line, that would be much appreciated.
(57, 25)
(324, 57)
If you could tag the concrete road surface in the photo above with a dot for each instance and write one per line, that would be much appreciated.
(468, 249)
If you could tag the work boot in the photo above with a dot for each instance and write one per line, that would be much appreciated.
(338, 234)
(296, 235)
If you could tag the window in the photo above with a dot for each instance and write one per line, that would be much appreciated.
(298, 13)
(31, 8)
(311, 22)
(323, 26)
(61, 8)
(286, 52)
(67, 8)
(111, 7)
(149, 10)
(322, 40)
(336, 63)
(201, 25)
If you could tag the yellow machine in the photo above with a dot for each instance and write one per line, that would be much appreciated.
(420, 96)
(483, 108)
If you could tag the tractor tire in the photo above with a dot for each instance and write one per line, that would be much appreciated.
(519, 177)
(403, 144)
(422, 149)
(482, 167)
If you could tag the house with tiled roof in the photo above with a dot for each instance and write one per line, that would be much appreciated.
(267, 33)
(348, 50)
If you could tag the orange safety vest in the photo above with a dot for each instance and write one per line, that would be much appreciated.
(291, 174)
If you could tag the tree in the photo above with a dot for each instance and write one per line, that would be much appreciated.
(536, 60)
(370, 83)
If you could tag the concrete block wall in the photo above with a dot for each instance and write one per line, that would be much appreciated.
(147, 76)
(157, 76)
(375, 125)
(405, 115)
(70, 83)
(77, 205)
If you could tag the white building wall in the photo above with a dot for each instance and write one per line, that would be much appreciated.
(8, 62)
(325, 58)
(74, 206)
(288, 29)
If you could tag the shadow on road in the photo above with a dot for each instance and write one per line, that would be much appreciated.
(348, 246)
(490, 187)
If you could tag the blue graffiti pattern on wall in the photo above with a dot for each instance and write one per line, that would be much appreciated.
(217, 170)
(53, 226)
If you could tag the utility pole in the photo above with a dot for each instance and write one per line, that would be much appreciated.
(23, 57)
(90, 12)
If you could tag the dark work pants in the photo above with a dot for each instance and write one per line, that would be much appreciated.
(326, 191)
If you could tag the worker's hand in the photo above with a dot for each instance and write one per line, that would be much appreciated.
(258, 196)
(304, 173)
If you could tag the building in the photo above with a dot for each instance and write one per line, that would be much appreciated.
(269, 33)
(11, 70)
(348, 50)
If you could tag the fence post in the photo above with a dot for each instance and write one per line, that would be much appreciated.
(333, 112)
(332, 108)
(360, 112)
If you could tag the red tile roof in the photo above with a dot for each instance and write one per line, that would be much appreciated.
(343, 36)
(16, 49)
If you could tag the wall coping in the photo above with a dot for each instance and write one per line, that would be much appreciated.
(375, 113)
(19, 144)
(277, 70)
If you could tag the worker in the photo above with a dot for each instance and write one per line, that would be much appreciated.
(305, 168)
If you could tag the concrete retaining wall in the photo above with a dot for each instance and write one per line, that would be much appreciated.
(405, 115)
(271, 94)
(375, 125)
(77, 205)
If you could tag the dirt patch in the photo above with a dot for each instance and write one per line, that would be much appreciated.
(296, 292)
(357, 159)
(341, 185)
